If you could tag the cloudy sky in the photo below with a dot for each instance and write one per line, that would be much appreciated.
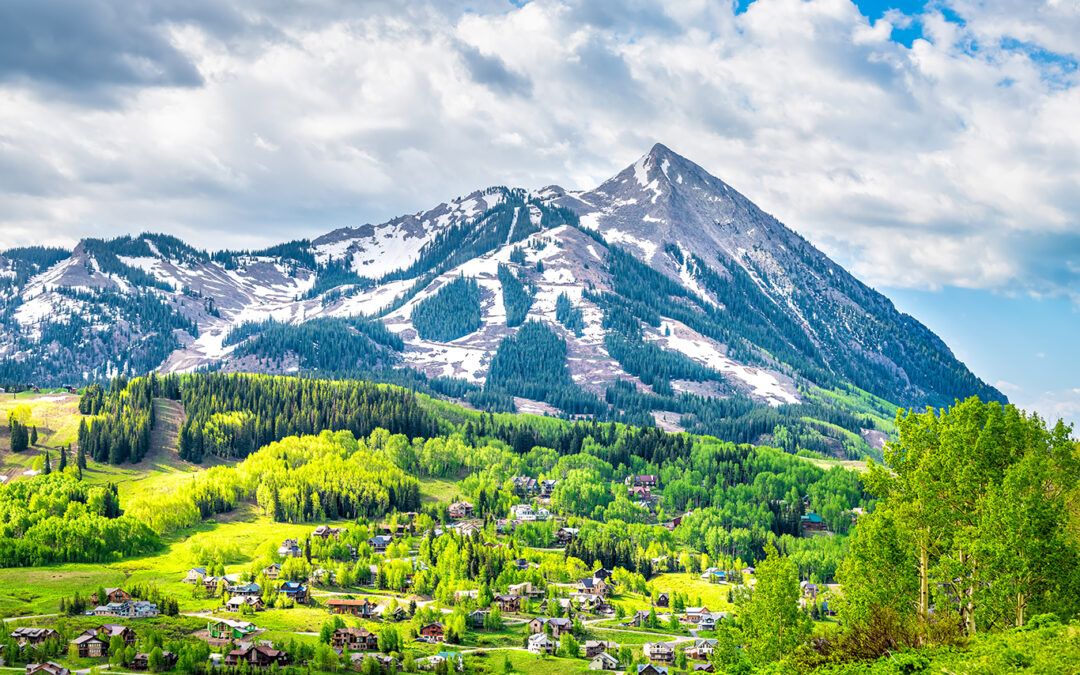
(933, 148)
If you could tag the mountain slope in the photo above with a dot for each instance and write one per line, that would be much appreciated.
(668, 296)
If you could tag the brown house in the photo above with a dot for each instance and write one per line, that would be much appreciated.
(108, 631)
(325, 532)
(461, 510)
(435, 631)
(361, 608)
(663, 600)
(47, 668)
(355, 640)
(26, 635)
(508, 603)
(112, 595)
(90, 646)
(256, 656)
(595, 647)
(142, 661)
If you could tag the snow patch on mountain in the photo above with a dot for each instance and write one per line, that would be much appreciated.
(760, 383)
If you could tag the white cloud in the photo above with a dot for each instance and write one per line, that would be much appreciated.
(954, 161)
(1057, 405)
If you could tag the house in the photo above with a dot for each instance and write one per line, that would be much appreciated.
(394, 613)
(565, 535)
(362, 608)
(434, 631)
(540, 643)
(659, 651)
(256, 656)
(47, 668)
(522, 564)
(525, 485)
(715, 576)
(379, 543)
(650, 669)
(594, 647)
(451, 658)
(702, 649)
(127, 609)
(693, 614)
(325, 532)
(467, 529)
(294, 590)
(704, 667)
(142, 661)
(355, 640)
(90, 646)
(509, 603)
(547, 487)
(809, 590)
(476, 618)
(272, 571)
(387, 663)
(603, 573)
(593, 586)
(640, 493)
(461, 510)
(111, 595)
(224, 629)
(465, 595)
(587, 602)
(110, 630)
(639, 619)
(525, 589)
(812, 522)
(648, 481)
(246, 590)
(604, 661)
(708, 620)
(195, 575)
(558, 625)
(237, 603)
(663, 600)
(26, 635)
(290, 549)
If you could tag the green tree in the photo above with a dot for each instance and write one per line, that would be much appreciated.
(772, 623)
(156, 660)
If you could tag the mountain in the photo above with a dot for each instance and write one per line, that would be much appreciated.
(661, 296)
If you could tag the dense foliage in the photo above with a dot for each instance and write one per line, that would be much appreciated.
(532, 364)
(324, 345)
(568, 315)
(56, 518)
(452, 312)
(517, 298)
(976, 531)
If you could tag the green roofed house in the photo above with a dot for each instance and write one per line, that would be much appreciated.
(223, 629)
(812, 522)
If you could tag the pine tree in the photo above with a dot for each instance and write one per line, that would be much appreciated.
(63, 458)
(46, 468)
(33, 435)
(80, 459)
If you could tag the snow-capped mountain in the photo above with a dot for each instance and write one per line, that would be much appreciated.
(674, 283)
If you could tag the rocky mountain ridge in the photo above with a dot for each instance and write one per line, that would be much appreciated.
(663, 282)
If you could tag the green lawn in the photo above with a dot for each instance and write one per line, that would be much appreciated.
(438, 489)
(713, 596)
